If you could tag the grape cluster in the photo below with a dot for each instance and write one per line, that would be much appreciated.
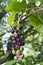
(18, 43)
(17, 40)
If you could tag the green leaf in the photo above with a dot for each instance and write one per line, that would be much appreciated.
(10, 19)
(10, 62)
(16, 6)
(31, 1)
(9, 1)
(14, 62)
(41, 63)
(3, 58)
(15, 24)
(37, 21)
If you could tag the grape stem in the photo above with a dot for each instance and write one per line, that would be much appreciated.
(36, 11)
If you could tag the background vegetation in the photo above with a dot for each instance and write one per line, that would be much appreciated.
(21, 32)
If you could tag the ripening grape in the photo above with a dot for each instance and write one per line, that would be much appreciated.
(18, 56)
(16, 47)
(21, 36)
(17, 39)
(18, 43)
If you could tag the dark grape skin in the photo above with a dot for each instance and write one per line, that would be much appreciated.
(16, 47)
(17, 39)
(18, 43)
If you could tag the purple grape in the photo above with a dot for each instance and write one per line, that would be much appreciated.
(17, 39)
(17, 31)
(18, 43)
(18, 56)
(16, 47)
(21, 37)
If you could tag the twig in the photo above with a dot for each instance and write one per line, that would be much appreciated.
(25, 17)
